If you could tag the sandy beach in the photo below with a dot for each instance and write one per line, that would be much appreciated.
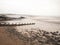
(27, 34)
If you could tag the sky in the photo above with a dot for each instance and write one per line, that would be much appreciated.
(31, 7)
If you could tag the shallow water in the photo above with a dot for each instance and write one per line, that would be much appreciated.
(49, 23)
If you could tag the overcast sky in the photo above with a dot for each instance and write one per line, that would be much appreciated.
(31, 7)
